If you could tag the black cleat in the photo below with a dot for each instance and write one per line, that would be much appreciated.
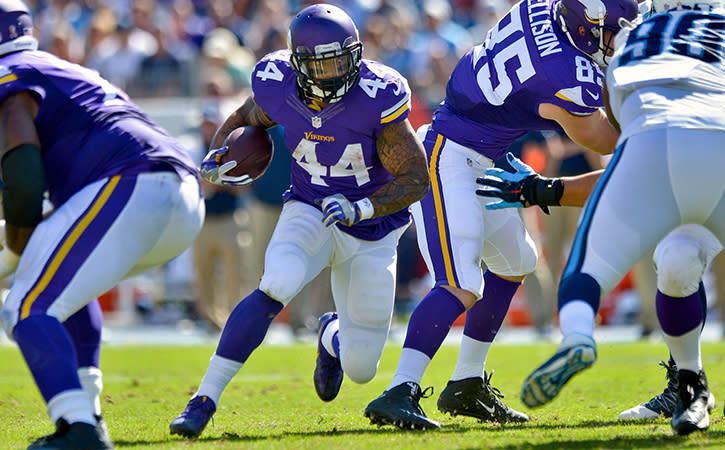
(661, 404)
(75, 436)
(61, 427)
(692, 410)
(475, 397)
(400, 407)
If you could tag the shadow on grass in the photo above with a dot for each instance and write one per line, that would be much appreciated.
(709, 439)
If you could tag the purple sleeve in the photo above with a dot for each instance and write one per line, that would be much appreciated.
(273, 80)
(389, 91)
(576, 87)
(13, 82)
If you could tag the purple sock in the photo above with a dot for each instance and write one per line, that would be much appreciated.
(49, 354)
(484, 319)
(431, 320)
(84, 328)
(679, 315)
(247, 325)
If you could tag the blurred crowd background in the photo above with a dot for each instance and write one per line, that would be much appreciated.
(188, 64)
(162, 48)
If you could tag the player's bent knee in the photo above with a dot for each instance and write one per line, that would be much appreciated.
(680, 268)
(280, 290)
(282, 281)
(359, 363)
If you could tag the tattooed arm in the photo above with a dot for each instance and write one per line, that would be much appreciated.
(402, 154)
(248, 114)
(23, 174)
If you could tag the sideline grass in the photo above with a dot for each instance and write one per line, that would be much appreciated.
(271, 403)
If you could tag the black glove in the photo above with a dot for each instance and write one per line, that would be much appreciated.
(522, 188)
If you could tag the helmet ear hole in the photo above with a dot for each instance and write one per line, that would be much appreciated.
(585, 21)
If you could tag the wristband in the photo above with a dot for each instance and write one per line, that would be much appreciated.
(549, 191)
(365, 206)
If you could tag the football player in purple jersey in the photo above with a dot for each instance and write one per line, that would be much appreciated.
(538, 69)
(357, 166)
(125, 197)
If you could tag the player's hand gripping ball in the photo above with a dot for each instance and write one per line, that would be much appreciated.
(244, 157)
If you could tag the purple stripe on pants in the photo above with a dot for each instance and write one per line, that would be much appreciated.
(84, 244)
(433, 208)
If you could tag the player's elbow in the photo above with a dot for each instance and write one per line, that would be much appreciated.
(23, 185)
(421, 180)
(594, 141)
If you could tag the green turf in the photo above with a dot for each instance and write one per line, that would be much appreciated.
(272, 404)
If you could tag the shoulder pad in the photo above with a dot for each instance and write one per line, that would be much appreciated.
(388, 88)
(274, 66)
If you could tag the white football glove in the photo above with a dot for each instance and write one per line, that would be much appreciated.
(8, 259)
(214, 173)
(337, 208)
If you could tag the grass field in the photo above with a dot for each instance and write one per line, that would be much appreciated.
(271, 403)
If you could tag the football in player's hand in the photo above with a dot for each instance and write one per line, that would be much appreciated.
(252, 149)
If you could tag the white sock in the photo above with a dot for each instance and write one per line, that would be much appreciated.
(331, 329)
(576, 316)
(685, 349)
(219, 373)
(411, 367)
(471, 358)
(92, 382)
(72, 405)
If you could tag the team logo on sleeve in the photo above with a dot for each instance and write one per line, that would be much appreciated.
(575, 95)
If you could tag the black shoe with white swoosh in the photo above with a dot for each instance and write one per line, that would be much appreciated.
(400, 406)
(475, 397)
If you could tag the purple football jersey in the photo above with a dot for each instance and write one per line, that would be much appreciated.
(333, 150)
(494, 93)
(88, 128)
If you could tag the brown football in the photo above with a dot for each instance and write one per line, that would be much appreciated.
(252, 149)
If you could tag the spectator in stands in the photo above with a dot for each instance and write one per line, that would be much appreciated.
(223, 56)
(435, 49)
(161, 74)
(118, 57)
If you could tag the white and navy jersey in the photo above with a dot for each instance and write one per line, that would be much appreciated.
(494, 93)
(334, 150)
(663, 69)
